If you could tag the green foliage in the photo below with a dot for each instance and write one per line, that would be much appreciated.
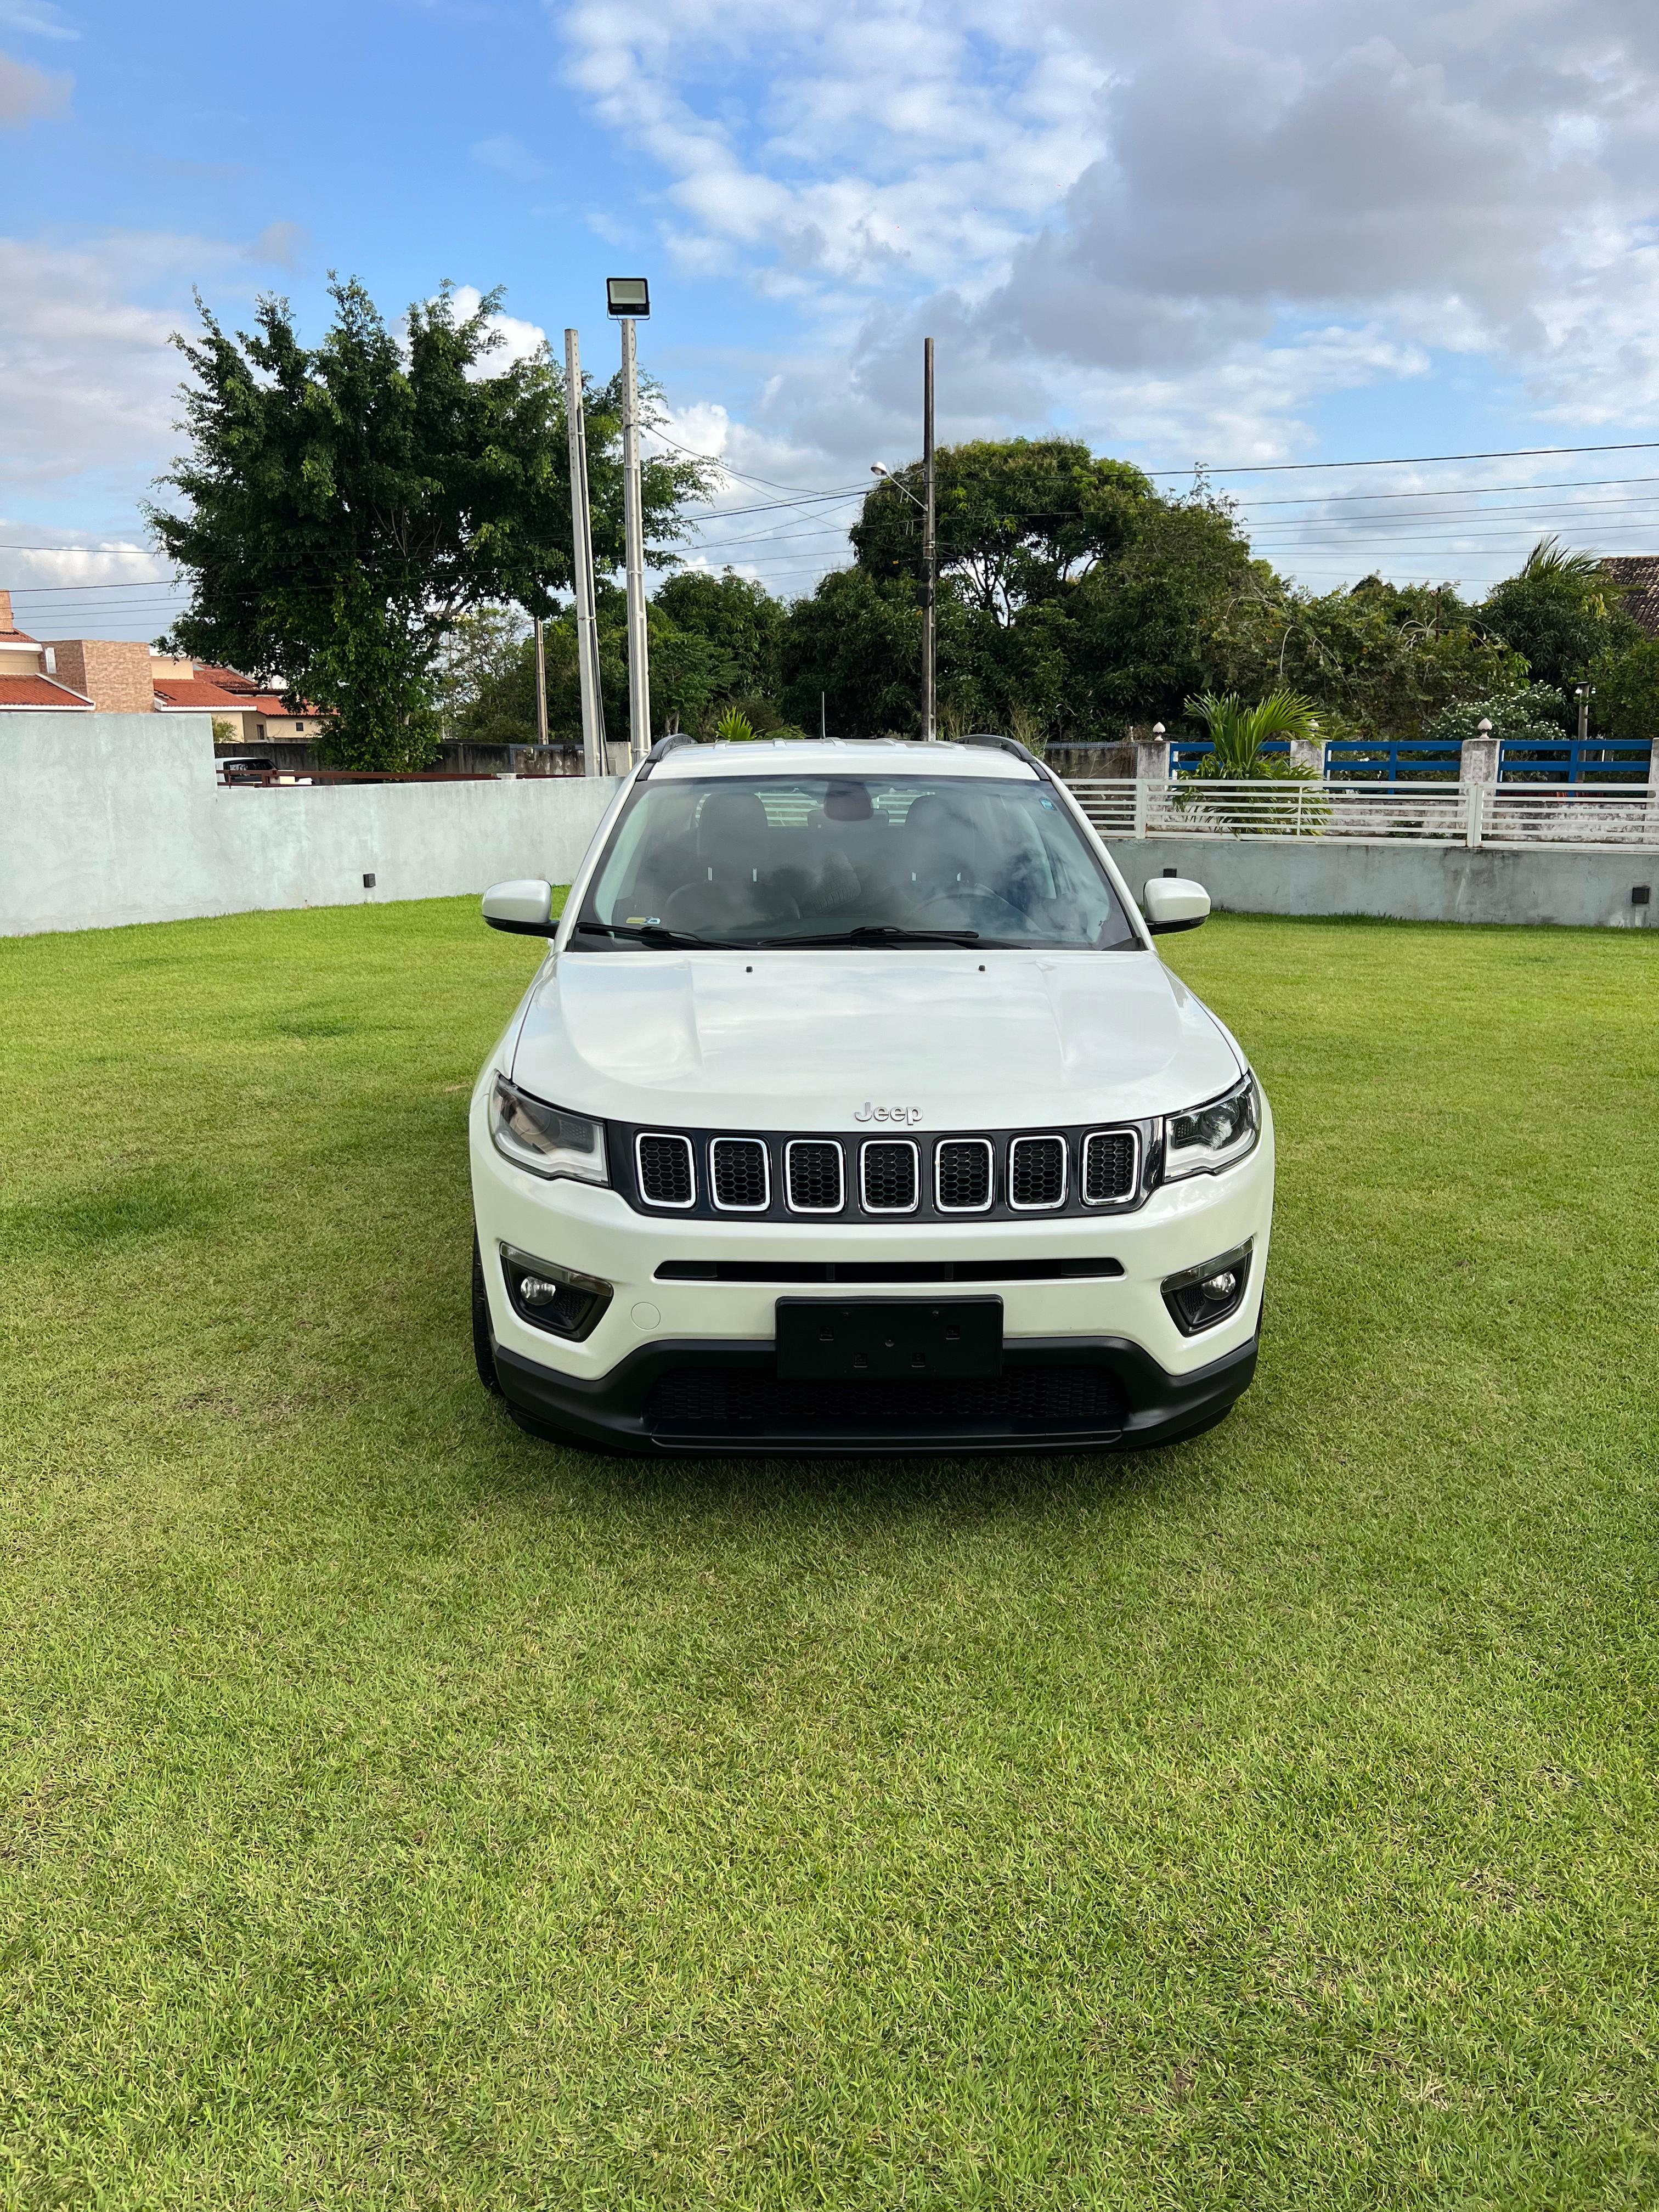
(1559, 613)
(1238, 733)
(734, 729)
(346, 504)
(1014, 518)
(1626, 702)
(1382, 659)
(486, 679)
(857, 642)
(1535, 715)
(735, 615)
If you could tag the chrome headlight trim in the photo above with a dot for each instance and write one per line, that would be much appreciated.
(1216, 1135)
(546, 1140)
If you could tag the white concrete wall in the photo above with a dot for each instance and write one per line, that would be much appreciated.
(1576, 888)
(107, 818)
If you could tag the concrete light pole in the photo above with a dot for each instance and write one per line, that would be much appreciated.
(929, 554)
(587, 637)
(541, 685)
(627, 298)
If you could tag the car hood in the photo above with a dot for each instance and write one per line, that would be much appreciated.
(810, 1040)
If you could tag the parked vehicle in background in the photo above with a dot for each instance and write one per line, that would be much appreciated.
(244, 768)
(853, 1109)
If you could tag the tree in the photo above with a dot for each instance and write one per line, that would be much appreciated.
(1377, 659)
(1558, 613)
(1015, 519)
(1626, 703)
(1529, 716)
(346, 504)
(732, 613)
(858, 644)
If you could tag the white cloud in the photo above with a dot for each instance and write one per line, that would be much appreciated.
(37, 19)
(519, 341)
(512, 159)
(1181, 228)
(281, 243)
(27, 92)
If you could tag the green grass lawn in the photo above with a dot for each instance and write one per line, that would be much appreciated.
(395, 1812)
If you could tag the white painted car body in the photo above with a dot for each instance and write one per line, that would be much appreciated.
(849, 1044)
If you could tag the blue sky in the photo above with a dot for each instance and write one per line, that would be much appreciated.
(1262, 232)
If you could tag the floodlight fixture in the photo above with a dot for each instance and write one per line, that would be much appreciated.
(628, 295)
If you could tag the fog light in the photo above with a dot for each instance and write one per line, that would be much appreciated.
(547, 1296)
(1200, 1298)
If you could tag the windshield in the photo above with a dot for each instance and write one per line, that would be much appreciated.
(849, 860)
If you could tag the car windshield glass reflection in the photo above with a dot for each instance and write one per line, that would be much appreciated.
(859, 860)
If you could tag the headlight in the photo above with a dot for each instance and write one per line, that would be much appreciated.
(546, 1138)
(1214, 1136)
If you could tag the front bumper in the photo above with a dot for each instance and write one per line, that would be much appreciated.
(1067, 1394)
(1093, 1363)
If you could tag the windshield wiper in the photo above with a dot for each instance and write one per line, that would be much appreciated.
(880, 932)
(652, 934)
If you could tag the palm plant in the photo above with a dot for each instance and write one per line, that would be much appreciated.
(733, 728)
(1239, 735)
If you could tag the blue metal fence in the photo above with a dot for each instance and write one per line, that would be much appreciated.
(1596, 760)
(1383, 761)
(1186, 753)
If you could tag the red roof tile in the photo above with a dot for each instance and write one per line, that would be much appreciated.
(193, 692)
(16, 637)
(40, 692)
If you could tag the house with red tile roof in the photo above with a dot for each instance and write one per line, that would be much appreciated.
(29, 676)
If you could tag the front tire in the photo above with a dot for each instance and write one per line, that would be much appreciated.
(483, 1344)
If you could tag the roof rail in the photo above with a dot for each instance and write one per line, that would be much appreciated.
(663, 745)
(1009, 745)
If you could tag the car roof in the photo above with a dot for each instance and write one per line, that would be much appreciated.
(842, 757)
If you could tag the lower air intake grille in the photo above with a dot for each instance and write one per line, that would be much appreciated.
(736, 1167)
(1109, 1165)
(963, 1174)
(1037, 1172)
(666, 1175)
(815, 1178)
(889, 1176)
(727, 1400)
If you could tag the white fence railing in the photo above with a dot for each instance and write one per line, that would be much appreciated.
(1505, 815)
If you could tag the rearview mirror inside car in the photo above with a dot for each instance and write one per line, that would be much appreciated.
(1172, 902)
(525, 906)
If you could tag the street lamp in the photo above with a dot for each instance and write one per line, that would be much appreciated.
(1584, 692)
(627, 298)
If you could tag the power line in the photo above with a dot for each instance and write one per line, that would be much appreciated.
(1404, 460)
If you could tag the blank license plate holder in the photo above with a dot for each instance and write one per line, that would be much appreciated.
(888, 1339)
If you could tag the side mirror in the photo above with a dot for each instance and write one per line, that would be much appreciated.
(525, 906)
(1171, 903)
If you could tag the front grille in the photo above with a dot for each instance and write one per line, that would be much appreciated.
(1036, 1173)
(962, 1175)
(688, 1401)
(1109, 1165)
(737, 1170)
(815, 1172)
(667, 1177)
(889, 1172)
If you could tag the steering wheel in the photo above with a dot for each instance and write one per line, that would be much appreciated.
(969, 907)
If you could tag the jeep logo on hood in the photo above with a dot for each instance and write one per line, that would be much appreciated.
(869, 1113)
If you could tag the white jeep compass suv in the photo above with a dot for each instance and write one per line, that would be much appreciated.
(853, 1109)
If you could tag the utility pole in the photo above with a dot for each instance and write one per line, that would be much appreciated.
(540, 686)
(587, 636)
(929, 552)
(627, 297)
(1582, 693)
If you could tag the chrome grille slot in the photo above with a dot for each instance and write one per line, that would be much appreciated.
(668, 1174)
(1036, 1174)
(740, 1175)
(888, 1171)
(1110, 1165)
(813, 1169)
(963, 1174)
